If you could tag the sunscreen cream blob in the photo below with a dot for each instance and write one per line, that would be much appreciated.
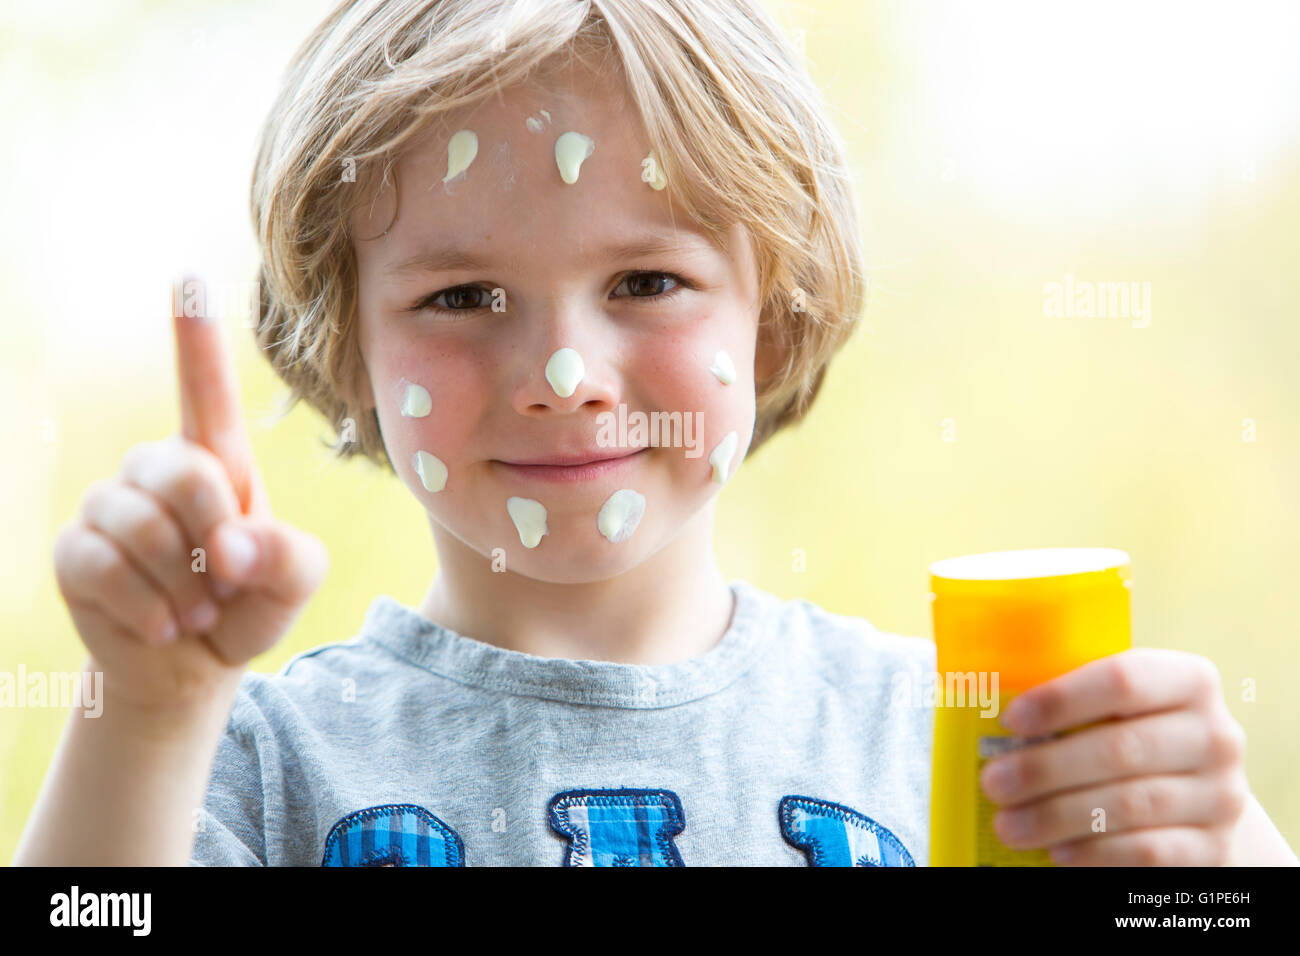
(620, 514)
(529, 517)
(564, 371)
(432, 472)
(570, 151)
(723, 367)
(651, 173)
(416, 402)
(461, 150)
(721, 457)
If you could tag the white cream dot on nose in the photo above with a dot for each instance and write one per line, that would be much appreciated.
(432, 472)
(571, 149)
(620, 514)
(529, 517)
(564, 370)
(721, 457)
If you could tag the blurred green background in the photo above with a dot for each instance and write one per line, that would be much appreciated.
(997, 148)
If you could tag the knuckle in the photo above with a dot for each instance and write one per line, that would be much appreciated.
(1231, 794)
(138, 456)
(1137, 804)
(1125, 750)
(192, 489)
(1227, 740)
(1040, 818)
(1028, 770)
(1048, 702)
(96, 496)
(1208, 672)
(107, 566)
(1148, 851)
(1124, 678)
(152, 533)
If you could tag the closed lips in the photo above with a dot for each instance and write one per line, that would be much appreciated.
(573, 472)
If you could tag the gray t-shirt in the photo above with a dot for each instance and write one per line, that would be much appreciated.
(410, 744)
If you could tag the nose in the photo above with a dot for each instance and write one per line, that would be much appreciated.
(564, 378)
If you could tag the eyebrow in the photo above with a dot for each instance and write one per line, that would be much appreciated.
(451, 258)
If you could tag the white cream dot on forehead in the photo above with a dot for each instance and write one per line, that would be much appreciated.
(723, 368)
(414, 400)
(722, 455)
(529, 517)
(534, 124)
(571, 149)
(432, 472)
(564, 370)
(620, 514)
(651, 172)
(461, 150)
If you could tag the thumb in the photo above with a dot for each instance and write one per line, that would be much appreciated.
(270, 557)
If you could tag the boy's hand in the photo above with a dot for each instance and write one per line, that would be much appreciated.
(1167, 770)
(127, 568)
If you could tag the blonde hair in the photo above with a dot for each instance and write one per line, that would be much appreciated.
(738, 126)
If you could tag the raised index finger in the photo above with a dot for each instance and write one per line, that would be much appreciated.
(209, 392)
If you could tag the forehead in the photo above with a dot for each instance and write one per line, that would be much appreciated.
(512, 198)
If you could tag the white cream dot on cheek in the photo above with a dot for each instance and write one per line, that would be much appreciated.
(564, 370)
(529, 517)
(571, 149)
(432, 472)
(461, 150)
(723, 368)
(414, 399)
(722, 455)
(620, 514)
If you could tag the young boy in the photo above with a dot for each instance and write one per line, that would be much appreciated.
(491, 232)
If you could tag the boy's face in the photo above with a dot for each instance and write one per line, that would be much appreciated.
(646, 341)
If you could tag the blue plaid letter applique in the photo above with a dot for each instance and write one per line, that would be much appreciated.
(835, 835)
(394, 834)
(618, 827)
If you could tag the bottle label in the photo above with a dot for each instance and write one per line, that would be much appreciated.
(989, 850)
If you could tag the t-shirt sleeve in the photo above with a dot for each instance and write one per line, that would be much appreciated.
(229, 827)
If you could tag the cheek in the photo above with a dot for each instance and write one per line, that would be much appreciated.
(683, 370)
(676, 373)
(425, 397)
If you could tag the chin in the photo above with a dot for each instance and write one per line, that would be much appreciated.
(577, 565)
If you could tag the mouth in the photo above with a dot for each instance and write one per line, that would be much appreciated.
(572, 473)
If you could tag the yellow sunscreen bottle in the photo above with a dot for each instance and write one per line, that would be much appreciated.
(1004, 622)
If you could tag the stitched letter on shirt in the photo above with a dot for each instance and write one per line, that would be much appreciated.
(618, 827)
(393, 834)
(832, 834)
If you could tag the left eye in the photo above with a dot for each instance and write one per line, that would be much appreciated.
(638, 280)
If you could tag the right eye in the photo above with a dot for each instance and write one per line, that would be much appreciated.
(460, 298)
